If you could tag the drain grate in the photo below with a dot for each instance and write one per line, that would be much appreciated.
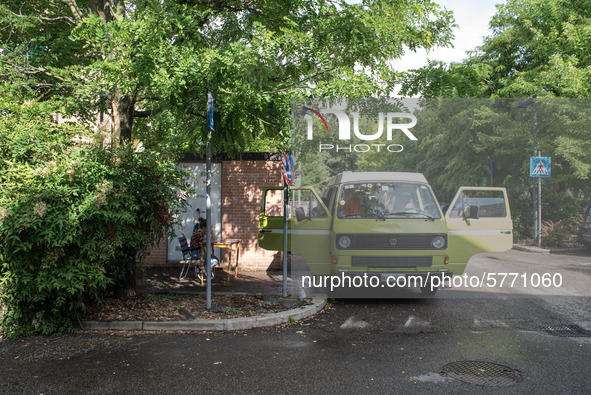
(482, 373)
(566, 331)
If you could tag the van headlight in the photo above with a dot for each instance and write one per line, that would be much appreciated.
(438, 242)
(344, 241)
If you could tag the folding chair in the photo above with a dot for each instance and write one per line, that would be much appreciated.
(187, 256)
(190, 256)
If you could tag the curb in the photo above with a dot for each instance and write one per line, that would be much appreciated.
(199, 324)
(541, 250)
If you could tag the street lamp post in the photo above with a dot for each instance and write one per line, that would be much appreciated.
(535, 192)
(538, 196)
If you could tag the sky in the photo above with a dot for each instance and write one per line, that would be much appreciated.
(472, 18)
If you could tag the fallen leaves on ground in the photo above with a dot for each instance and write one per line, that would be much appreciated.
(169, 307)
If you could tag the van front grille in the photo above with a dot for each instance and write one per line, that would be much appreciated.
(392, 241)
(392, 261)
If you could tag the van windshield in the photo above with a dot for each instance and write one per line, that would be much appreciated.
(387, 200)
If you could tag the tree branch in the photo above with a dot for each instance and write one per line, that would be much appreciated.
(31, 70)
(146, 113)
(58, 18)
(73, 7)
(299, 83)
(45, 18)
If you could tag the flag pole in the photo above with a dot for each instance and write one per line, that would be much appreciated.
(210, 129)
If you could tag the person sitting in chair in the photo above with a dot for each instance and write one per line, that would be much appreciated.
(198, 237)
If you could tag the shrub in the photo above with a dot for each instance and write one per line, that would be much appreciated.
(557, 234)
(74, 218)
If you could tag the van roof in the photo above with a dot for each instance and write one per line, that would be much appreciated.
(377, 176)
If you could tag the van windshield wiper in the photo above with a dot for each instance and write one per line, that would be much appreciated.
(414, 212)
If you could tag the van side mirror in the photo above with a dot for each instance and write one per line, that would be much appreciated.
(300, 214)
(473, 212)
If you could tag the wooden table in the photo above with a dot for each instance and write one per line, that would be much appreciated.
(227, 245)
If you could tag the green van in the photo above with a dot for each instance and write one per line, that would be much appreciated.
(386, 224)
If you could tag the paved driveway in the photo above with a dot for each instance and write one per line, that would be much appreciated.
(354, 346)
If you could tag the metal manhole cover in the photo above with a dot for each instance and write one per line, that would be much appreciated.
(482, 373)
(566, 331)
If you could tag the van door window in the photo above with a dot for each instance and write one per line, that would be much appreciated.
(308, 204)
(487, 204)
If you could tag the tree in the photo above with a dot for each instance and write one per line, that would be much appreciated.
(540, 47)
(149, 64)
(537, 47)
(74, 217)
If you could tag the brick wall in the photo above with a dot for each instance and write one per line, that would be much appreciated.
(158, 256)
(242, 182)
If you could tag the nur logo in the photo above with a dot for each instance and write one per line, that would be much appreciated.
(392, 124)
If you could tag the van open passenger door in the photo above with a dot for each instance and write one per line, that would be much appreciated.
(478, 220)
(308, 226)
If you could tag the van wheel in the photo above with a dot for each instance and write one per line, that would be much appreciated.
(428, 291)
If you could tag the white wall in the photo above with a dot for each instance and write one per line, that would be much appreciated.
(189, 218)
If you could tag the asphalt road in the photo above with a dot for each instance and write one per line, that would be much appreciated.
(354, 346)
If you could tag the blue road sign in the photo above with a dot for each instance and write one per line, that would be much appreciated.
(288, 168)
(540, 166)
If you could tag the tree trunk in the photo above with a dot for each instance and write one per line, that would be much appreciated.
(114, 10)
(123, 109)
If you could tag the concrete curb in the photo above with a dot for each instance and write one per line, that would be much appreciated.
(228, 324)
(540, 250)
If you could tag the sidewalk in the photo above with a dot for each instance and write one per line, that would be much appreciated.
(158, 280)
(546, 250)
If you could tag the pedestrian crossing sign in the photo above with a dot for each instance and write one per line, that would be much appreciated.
(540, 166)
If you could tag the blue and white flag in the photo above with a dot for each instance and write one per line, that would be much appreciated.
(210, 110)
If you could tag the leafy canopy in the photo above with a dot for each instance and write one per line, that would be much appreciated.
(537, 46)
(150, 63)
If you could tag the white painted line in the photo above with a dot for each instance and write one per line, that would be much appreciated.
(352, 323)
(409, 321)
(430, 378)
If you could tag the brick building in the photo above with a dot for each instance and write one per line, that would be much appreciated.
(241, 188)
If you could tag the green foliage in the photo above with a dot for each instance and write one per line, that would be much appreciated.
(154, 63)
(74, 218)
(537, 47)
(438, 79)
(556, 234)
